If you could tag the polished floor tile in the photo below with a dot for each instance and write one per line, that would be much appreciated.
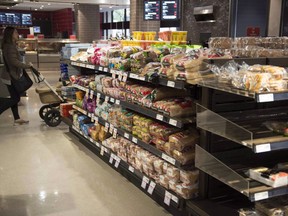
(46, 171)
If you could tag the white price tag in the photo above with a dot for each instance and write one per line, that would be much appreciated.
(117, 161)
(145, 181)
(73, 63)
(98, 96)
(115, 133)
(263, 148)
(91, 140)
(131, 169)
(175, 199)
(171, 84)
(173, 122)
(142, 78)
(111, 129)
(266, 97)
(90, 66)
(96, 120)
(126, 135)
(135, 140)
(105, 69)
(92, 117)
(133, 76)
(106, 99)
(167, 198)
(261, 196)
(112, 100)
(111, 158)
(125, 76)
(91, 94)
(106, 127)
(97, 144)
(159, 117)
(102, 150)
(117, 102)
(168, 158)
(151, 187)
(120, 76)
(82, 65)
(100, 68)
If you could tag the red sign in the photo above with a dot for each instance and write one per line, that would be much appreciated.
(253, 31)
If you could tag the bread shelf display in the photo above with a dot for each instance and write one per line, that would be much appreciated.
(252, 135)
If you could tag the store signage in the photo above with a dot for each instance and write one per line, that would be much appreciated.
(170, 9)
(151, 10)
(253, 31)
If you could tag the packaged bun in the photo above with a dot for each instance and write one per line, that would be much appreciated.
(168, 148)
(187, 192)
(187, 157)
(164, 181)
(173, 174)
(158, 166)
(189, 177)
(172, 185)
(183, 140)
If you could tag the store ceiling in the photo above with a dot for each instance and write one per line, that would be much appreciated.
(52, 5)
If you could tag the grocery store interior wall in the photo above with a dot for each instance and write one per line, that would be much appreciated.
(217, 29)
(62, 22)
(87, 19)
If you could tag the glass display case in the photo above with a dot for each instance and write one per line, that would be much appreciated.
(43, 53)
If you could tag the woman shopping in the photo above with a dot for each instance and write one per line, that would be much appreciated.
(12, 70)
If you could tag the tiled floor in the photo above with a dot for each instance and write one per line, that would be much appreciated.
(45, 171)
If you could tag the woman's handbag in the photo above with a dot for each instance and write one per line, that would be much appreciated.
(23, 83)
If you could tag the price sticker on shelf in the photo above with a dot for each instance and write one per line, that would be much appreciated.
(167, 198)
(91, 140)
(126, 135)
(102, 150)
(90, 66)
(159, 117)
(91, 94)
(120, 76)
(111, 158)
(151, 187)
(117, 161)
(261, 196)
(125, 77)
(145, 181)
(96, 120)
(97, 144)
(92, 117)
(131, 169)
(100, 68)
(106, 129)
(173, 122)
(106, 99)
(141, 78)
(112, 100)
(266, 97)
(263, 148)
(111, 128)
(135, 140)
(115, 133)
(105, 69)
(175, 199)
(171, 84)
(82, 65)
(98, 96)
(133, 76)
(117, 102)
(169, 159)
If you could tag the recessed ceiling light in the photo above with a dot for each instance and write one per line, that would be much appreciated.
(15, 0)
(35, 9)
(8, 7)
(49, 3)
(100, 8)
(110, 7)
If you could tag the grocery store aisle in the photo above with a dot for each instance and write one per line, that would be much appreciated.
(45, 171)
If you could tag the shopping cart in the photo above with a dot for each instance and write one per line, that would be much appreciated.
(51, 98)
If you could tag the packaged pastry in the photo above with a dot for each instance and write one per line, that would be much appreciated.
(189, 177)
(187, 192)
(158, 166)
(161, 131)
(168, 148)
(164, 181)
(159, 143)
(172, 185)
(186, 157)
(173, 174)
(185, 139)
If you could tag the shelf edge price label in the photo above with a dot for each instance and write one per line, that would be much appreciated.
(120, 77)
(106, 99)
(263, 148)
(111, 158)
(133, 76)
(151, 187)
(145, 181)
(126, 135)
(92, 117)
(106, 127)
(111, 128)
(105, 69)
(159, 117)
(168, 158)
(135, 140)
(97, 144)
(261, 196)
(112, 100)
(102, 150)
(100, 68)
(173, 122)
(96, 120)
(167, 198)
(266, 97)
(117, 161)
(175, 199)
(115, 133)
(98, 96)
(171, 84)
(117, 102)
(125, 76)
(131, 169)
(91, 94)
